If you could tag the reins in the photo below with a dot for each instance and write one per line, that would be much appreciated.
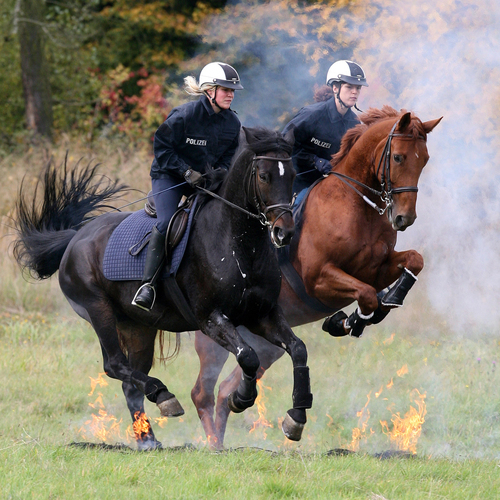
(261, 207)
(387, 191)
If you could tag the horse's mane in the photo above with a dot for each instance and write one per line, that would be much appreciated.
(264, 141)
(267, 140)
(372, 116)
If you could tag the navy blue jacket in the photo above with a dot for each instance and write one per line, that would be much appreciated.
(318, 130)
(194, 136)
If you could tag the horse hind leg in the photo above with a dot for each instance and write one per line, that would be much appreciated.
(212, 359)
(140, 352)
(117, 365)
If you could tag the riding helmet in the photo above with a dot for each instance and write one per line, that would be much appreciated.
(346, 72)
(217, 73)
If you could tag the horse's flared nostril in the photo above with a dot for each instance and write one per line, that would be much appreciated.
(281, 236)
(402, 222)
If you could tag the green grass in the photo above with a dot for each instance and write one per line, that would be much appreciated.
(48, 361)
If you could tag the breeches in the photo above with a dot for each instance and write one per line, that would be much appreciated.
(167, 194)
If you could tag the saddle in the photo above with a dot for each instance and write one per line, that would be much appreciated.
(177, 225)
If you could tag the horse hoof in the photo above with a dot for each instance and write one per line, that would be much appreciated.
(232, 405)
(292, 429)
(334, 325)
(148, 444)
(170, 408)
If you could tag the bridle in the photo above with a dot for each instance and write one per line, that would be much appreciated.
(254, 194)
(384, 168)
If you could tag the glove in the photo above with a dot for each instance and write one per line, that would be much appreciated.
(192, 177)
(322, 165)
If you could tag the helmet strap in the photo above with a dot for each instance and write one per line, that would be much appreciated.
(213, 99)
(342, 103)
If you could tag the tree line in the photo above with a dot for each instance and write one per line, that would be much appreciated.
(94, 67)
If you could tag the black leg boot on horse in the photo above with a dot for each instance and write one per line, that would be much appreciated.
(146, 295)
(339, 325)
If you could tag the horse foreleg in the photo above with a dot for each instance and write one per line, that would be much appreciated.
(275, 329)
(212, 359)
(333, 286)
(267, 354)
(401, 268)
(221, 330)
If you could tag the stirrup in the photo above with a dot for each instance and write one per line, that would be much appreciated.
(146, 287)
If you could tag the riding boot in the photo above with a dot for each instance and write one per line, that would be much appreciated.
(146, 295)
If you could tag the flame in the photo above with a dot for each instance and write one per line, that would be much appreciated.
(406, 431)
(261, 422)
(141, 425)
(389, 340)
(102, 426)
(402, 371)
(359, 433)
(99, 381)
(161, 421)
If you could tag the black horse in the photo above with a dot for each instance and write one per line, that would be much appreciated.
(228, 276)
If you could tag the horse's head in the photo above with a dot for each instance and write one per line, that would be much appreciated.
(270, 184)
(399, 160)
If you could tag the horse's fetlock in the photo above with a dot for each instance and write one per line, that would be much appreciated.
(248, 360)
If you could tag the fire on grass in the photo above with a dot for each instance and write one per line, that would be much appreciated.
(106, 427)
(404, 433)
(405, 430)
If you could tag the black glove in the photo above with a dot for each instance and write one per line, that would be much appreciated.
(193, 178)
(322, 165)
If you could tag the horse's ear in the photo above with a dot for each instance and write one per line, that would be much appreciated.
(249, 135)
(290, 136)
(404, 121)
(429, 126)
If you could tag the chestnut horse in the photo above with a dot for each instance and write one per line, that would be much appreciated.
(343, 248)
(229, 275)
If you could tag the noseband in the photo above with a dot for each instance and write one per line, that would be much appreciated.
(256, 198)
(262, 208)
(384, 168)
(257, 194)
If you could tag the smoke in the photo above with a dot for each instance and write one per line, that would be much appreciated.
(435, 58)
(444, 58)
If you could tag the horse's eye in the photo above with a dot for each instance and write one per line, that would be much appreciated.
(264, 177)
(398, 158)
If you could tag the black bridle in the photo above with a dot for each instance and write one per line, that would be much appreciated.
(384, 168)
(254, 194)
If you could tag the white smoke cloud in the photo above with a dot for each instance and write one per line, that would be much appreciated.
(449, 65)
(435, 58)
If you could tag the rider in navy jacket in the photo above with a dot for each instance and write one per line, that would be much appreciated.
(319, 128)
(195, 136)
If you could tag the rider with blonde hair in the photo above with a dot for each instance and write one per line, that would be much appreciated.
(195, 136)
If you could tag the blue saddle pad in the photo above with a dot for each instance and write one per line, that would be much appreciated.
(120, 265)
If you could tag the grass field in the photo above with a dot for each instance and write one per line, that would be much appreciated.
(53, 428)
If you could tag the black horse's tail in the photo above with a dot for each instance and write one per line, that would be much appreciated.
(45, 227)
